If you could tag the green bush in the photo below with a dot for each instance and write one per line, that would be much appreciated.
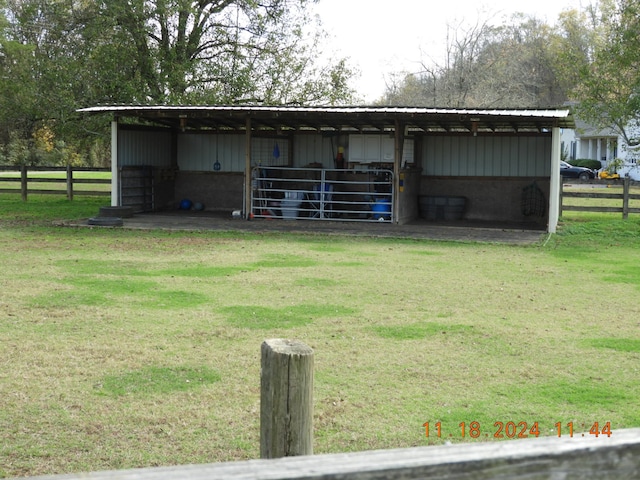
(587, 163)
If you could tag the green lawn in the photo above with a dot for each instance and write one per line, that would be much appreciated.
(126, 349)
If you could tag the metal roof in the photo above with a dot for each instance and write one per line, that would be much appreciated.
(344, 119)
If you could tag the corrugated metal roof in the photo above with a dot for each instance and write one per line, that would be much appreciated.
(344, 118)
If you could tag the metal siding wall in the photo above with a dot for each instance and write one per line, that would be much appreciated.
(483, 165)
(471, 153)
(524, 153)
(144, 148)
(313, 149)
(460, 156)
(199, 152)
(262, 150)
(512, 156)
(232, 150)
(194, 152)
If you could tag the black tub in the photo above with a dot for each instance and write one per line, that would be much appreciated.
(442, 207)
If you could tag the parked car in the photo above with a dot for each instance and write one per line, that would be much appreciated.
(581, 173)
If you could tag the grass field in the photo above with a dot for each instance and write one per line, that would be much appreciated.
(125, 349)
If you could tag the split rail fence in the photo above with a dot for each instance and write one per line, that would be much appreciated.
(605, 458)
(66, 183)
(596, 194)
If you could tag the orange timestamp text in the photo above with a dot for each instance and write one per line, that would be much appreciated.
(515, 430)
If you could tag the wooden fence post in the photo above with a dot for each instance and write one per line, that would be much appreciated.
(626, 188)
(560, 191)
(69, 182)
(23, 182)
(286, 399)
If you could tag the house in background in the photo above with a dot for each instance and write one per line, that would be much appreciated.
(605, 144)
(589, 142)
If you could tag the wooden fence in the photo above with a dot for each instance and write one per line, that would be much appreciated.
(596, 194)
(66, 184)
(607, 458)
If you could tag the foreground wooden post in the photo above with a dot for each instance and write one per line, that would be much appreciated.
(286, 399)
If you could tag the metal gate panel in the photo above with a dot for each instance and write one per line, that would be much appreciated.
(322, 194)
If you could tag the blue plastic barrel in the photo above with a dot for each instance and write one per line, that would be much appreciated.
(382, 208)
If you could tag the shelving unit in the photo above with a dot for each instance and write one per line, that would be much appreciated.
(136, 188)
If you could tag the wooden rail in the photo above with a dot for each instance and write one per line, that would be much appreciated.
(624, 198)
(615, 457)
(68, 181)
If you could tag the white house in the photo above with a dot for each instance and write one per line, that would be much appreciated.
(604, 144)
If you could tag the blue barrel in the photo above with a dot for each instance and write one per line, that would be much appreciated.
(382, 208)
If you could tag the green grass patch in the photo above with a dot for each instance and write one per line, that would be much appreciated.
(278, 260)
(155, 380)
(117, 292)
(418, 331)
(584, 394)
(315, 282)
(629, 274)
(265, 318)
(617, 344)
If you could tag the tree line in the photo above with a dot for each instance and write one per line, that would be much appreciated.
(60, 55)
(589, 59)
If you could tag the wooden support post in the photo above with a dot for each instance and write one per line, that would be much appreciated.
(248, 210)
(397, 164)
(286, 399)
(626, 187)
(69, 182)
(560, 199)
(23, 182)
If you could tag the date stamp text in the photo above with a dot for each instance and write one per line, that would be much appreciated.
(516, 430)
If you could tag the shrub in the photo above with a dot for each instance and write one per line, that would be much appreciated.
(587, 163)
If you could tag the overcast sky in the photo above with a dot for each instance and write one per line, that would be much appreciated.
(381, 37)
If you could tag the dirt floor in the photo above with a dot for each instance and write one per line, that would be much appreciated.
(462, 231)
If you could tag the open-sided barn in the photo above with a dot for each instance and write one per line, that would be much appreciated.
(341, 163)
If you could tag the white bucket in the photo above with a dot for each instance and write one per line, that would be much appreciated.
(290, 204)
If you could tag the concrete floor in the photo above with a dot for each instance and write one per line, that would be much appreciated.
(446, 231)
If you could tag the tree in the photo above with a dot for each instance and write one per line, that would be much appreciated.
(59, 55)
(17, 85)
(608, 92)
(224, 51)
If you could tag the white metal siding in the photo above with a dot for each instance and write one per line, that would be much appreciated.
(199, 152)
(460, 156)
(263, 151)
(144, 148)
(314, 149)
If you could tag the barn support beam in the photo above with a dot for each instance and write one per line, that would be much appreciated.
(247, 169)
(397, 163)
(554, 187)
(115, 187)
